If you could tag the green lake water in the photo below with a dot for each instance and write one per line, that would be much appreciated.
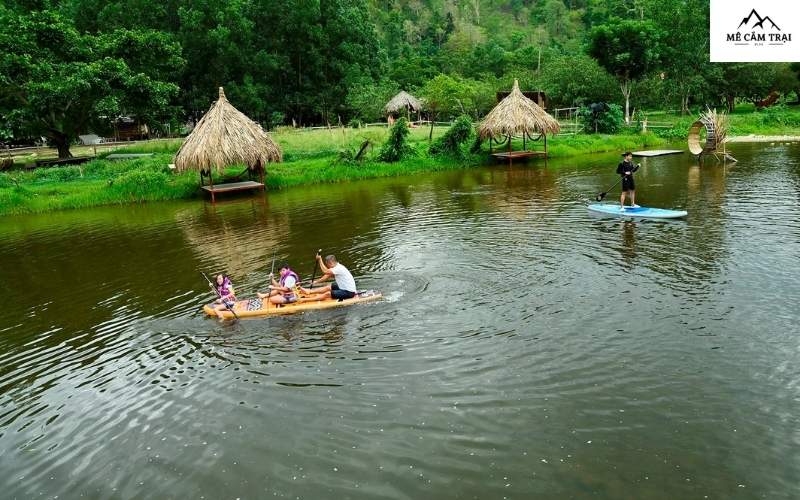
(525, 347)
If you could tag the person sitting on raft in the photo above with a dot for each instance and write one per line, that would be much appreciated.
(626, 169)
(283, 291)
(227, 296)
(345, 286)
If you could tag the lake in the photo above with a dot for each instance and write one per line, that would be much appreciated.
(525, 348)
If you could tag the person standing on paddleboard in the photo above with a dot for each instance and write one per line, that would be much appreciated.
(626, 168)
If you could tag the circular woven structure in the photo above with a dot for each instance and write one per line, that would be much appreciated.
(696, 147)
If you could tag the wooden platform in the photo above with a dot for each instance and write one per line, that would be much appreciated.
(518, 155)
(231, 187)
(658, 152)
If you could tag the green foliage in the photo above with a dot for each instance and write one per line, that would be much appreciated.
(575, 79)
(449, 96)
(601, 118)
(367, 99)
(453, 141)
(66, 65)
(138, 184)
(58, 81)
(396, 147)
(779, 115)
(627, 49)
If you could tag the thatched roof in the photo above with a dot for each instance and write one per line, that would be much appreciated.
(403, 100)
(517, 115)
(225, 136)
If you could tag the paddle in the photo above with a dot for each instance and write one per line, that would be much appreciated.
(220, 296)
(272, 270)
(602, 195)
(314, 272)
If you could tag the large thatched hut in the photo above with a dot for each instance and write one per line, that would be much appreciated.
(224, 137)
(517, 116)
(403, 102)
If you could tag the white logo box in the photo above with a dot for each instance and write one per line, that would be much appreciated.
(755, 31)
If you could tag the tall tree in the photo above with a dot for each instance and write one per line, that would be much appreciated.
(57, 82)
(628, 50)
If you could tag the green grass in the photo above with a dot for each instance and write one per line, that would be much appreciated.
(313, 157)
(745, 120)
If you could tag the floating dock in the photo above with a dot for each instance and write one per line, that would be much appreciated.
(658, 152)
(232, 187)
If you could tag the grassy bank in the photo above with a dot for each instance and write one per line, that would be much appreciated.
(745, 120)
(311, 157)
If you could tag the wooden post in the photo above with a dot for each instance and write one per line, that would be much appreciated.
(509, 150)
(211, 183)
(524, 147)
(545, 144)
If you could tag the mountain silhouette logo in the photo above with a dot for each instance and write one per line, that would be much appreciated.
(761, 20)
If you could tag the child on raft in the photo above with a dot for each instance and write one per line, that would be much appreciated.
(282, 291)
(227, 296)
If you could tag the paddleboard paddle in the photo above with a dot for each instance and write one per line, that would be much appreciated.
(602, 195)
(314, 272)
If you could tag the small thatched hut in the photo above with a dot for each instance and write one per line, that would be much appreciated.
(223, 137)
(403, 101)
(516, 115)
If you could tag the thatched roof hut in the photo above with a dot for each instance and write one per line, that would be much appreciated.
(516, 115)
(403, 101)
(223, 137)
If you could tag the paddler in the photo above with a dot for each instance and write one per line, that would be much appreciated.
(626, 168)
(283, 291)
(227, 296)
(345, 286)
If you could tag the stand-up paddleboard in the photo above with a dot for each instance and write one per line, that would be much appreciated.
(643, 212)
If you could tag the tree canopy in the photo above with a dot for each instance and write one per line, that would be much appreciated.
(59, 82)
(67, 66)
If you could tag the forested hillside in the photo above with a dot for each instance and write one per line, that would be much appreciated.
(65, 66)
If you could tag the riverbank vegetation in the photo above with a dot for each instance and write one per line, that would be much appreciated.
(310, 157)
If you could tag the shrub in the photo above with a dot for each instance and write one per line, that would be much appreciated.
(396, 147)
(601, 118)
(57, 174)
(139, 184)
(452, 142)
(778, 115)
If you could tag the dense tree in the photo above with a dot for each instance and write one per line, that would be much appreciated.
(58, 82)
(626, 49)
(321, 61)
